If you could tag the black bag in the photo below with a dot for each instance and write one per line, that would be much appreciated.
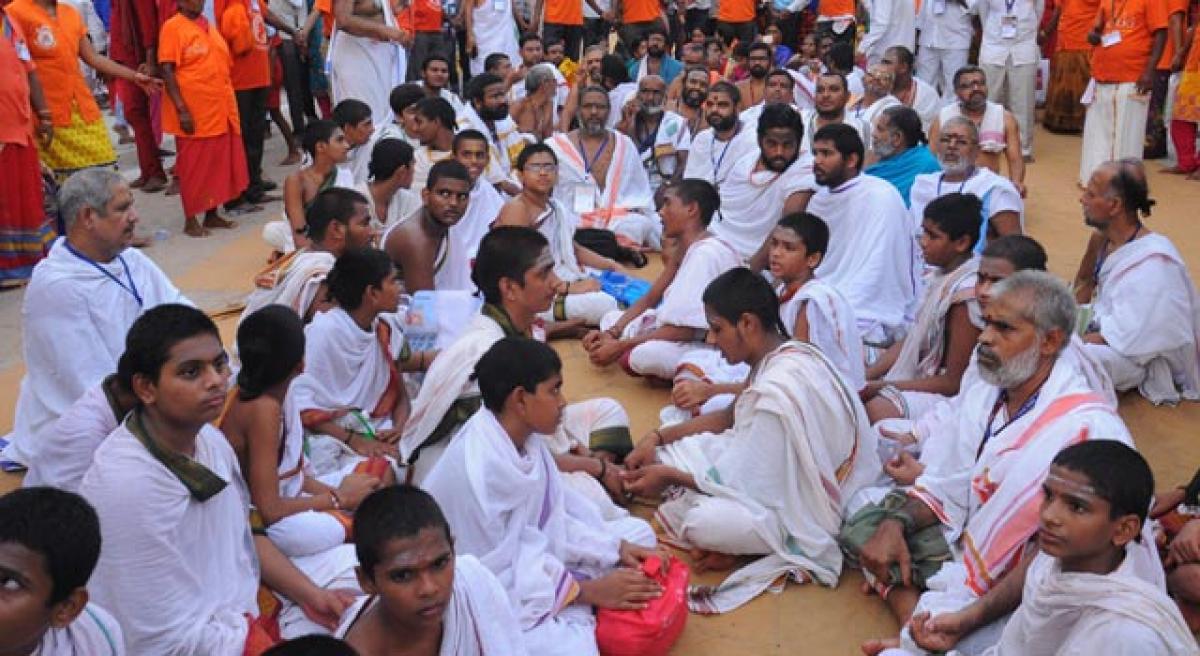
(604, 243)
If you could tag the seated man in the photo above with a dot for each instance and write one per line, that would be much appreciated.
(433, 123)
(1094, 585)
(515, 276)
(488, 113)
(579, 297)
(1178, 539)
(770, 477)
(537, 112)
(899, 150)
(422, 246)
(652, 335)
(178, 569)
(1003, 210)
(49, 545)
(601, 178)
(1145, 316)
(336, 221)
(87, 292)
(508, 506)
(661, 136)
(725, 141)
(928, 363)
(327, 147)
(404, 544)
(353, 118)
(877, 94)
(388, 190)
(829, 107)
(872, 256)
(780, 89)
(997, 128)
(351, 396)
(403, 101)
(983, 495)
(435, 75)
(910, 90)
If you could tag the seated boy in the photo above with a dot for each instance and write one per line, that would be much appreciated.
(515, 275)
(650, 338)
(812, 311)
(912, 375)
(49, 544)
(423, 246)
(353, 117)
(327, 147)
(403, 100)
(351, 396)
(1094, 586)
(769, 477)
(178, 568)
(506, 505)
(422, 599)
(579, 297)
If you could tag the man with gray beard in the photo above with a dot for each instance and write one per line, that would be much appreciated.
(999, 132)
(964, 527)
(898, 150)
(958, 151)
(661, 136)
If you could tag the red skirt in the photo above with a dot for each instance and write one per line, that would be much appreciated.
(25, 231)
(211, 170)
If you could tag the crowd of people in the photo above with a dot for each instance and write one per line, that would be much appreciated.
(870, 368)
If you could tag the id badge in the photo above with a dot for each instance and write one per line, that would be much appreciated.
(500, 5)
(1110, 39)
(1008, 27)
(939, 7)
(585, 198)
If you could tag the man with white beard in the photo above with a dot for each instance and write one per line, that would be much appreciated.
(1003, 209)
(661, 136)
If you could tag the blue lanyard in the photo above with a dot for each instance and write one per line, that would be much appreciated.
(960, 187)
(131, 287)
(587, 166)
(1021, 412)
(1008, 6)
(716, 161)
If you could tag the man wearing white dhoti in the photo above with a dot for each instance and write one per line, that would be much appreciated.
(488, 113)
(649, 338)
(772, 479)
(661, 136)
(178, 570)
(829, 107)
(424, 249)
(1002, 209)
(515, 275)
(968, 520)
(508, 506)
(1146, 339)
(389, 193)
(1096, 585)
(998, 133)
(491, 27)
(81, 300)
(765, 184)
(367, 54)
(579, 296)
(601, 177)
(872, 256)
(928, 364)
(726, 140)
(401, 529)
(51, 541)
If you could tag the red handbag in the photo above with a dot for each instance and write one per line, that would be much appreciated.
(653, 630)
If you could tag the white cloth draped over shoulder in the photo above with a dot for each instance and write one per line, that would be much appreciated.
(505, 143)
(793, 481)
(704, 260)
(923, 353)
(63, 454)
(478, 620)
(927, 102)
(832, 327)
(872, 257)
(752, 201)
(996, 192)
(180, 575)
(93, 633)
(362, 68)
(810, 128)
(292, 281)
(624, 203)
(495, 30)
(1124, 613)
(711, 159)
(73, 324)
(462, 240)
(1148, 313)
(510, 509)
(991, 126)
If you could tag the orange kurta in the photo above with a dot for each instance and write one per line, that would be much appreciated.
(641, 11)
(54, 43)
(245, 32)
(16, 115)
(1173, 7)
(1137, 21)
(202, 65)
(1076, 20)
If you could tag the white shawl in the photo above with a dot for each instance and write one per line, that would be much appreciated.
(293, 281)
(830, 455)
(93, 633)
(503, 147)
(704, 260)
(63, 454)
(1148, 311)
(831, 328)
(922, 353)
(752, 201)
(462, 240)
(345, 367)
(626, 186)
(557, 224)
(510, 510)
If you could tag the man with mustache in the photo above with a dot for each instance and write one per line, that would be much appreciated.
(765, 183)
(754, 89)
(829, 107)
(601, 178)
(422, 246)
(87, 292)
(999, 132)
(716, 149)
(909, 90)
(661, 136)
(657, 61)
(872, 257)
(692, 55)
(1009, 55)
(877, 94)
(1144, 306)
(689, 101)
(780, 89)
(588, 74)
(957, 151)
(983, 496)
(487, 112)
(899, 151)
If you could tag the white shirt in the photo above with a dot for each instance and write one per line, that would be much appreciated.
(892, 24)
(946, 24)
(711, 159)
(999, 42)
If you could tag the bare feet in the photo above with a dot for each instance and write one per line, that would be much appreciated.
(873, 647)
(712, 561)
(216, 221)
(154, 185)
(173, 188)
(192, 228)
(292, 158)
(1173, 170)
(1194, 175)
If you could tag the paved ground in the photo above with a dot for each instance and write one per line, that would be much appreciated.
(217, 270)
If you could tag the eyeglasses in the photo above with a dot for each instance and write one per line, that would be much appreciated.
(954, 141)
(541, 167)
